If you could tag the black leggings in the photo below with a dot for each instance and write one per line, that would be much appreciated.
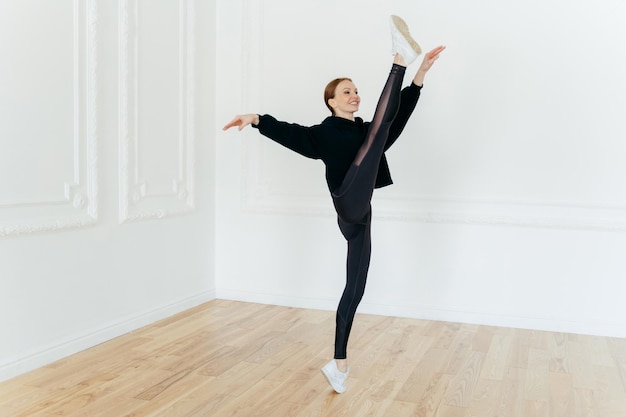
(352, 203)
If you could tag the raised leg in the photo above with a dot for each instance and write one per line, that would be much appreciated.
(352, 199)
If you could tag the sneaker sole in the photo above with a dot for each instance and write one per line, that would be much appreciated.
(403, 28)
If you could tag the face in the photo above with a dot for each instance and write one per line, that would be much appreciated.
(346, 100)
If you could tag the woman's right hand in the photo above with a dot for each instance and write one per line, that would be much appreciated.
(243, 120)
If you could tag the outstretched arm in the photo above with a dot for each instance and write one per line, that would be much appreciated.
(298, 138)
(427, 63)
(243, 120)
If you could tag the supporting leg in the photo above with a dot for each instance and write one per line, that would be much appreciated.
(357, 265)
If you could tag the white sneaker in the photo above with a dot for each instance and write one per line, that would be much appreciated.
(335, 377)
(402, 42)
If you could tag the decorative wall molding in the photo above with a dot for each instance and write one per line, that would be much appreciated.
(519, 213)
(253, 188)
(262, 195)
(142, 198)
(77, 204)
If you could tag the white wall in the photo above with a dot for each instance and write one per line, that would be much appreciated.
(509, 206)
(106, 170)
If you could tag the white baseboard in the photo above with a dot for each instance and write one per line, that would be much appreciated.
(92, 337)
(595, 328)
(315, 303)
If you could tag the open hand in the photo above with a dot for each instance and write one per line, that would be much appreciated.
(429, 60)
(431, 57)
(242, 120)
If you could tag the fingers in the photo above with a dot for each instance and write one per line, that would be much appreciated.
(434, 53)
(430, 58)
(235, 122)
(228, 125)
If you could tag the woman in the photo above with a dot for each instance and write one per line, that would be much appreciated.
(353, 152)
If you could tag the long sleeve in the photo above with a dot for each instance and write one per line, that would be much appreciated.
(408, 100)
(298, 138)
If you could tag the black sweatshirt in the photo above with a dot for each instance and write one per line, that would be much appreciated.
(336, 140)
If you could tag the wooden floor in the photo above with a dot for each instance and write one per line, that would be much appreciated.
(229, 358)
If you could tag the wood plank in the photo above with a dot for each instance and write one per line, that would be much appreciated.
(512, 402)
(559, 359)
(562, 395)
(433, 395)
(485, 398)
(463, 383)
(537, 387)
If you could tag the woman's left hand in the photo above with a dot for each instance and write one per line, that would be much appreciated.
(430, 58)
(427, 63)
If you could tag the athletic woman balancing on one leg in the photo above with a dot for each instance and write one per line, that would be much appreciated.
(353, 152)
